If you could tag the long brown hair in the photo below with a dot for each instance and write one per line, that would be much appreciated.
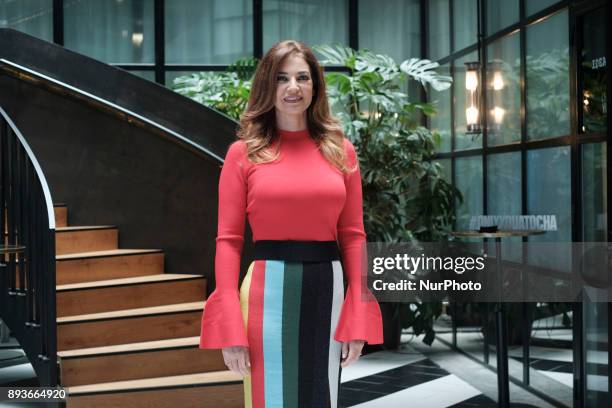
(258, 122)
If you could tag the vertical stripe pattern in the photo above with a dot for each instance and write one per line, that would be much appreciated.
(291, 330)
(255, 333)
(335, 347)
(272, 333)
(244, 305)
(291, 310)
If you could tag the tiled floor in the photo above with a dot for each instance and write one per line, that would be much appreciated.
(389, 379)
(384, 379)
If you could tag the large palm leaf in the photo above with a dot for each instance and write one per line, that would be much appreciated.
(423, 71)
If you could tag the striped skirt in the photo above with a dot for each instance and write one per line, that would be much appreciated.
(291, 308)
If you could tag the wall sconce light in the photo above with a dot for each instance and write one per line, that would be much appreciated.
(472, 97)
(497, 85)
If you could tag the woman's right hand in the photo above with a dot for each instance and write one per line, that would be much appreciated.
(237, 359)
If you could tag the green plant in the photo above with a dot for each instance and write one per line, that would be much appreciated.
(228, 91)
(405, 195)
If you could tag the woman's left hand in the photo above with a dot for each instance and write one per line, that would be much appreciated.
(351, 352)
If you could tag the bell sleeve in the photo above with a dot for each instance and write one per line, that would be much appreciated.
(360, 318)
(222, 321)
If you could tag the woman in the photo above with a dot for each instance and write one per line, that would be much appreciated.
(296, 177)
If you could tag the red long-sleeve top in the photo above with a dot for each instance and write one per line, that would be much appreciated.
(302, 197)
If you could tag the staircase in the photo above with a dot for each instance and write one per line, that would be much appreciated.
(128, 333)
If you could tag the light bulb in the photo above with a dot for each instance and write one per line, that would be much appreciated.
(137, 39)
(498, 114)
(471, 115)
(498, 81)
(471, 80)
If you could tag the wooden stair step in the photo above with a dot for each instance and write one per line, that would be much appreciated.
(79, 239)
(104, 254)
(128, 293)
(61, 215)
(130, 347)
(214, 377)
(202, 390)
(129, 326)
(137, 360)
(108, 264)
(143, 311)
(126, 281)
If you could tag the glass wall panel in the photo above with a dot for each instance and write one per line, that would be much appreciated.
(501, 14)
(111, 31)
(594, 192)
(468, 179)
(34, 17)
(504, 194)
(438, 39)
(504, 183)
(547, 79)
(465, 23)
(462, 139)
(441, 122)
(208, 31)
(533, 6)
(503, 91)
(549, 193)
(592, 91)
(148, 75)
(592, 74)
(315, 23)
(382, 23)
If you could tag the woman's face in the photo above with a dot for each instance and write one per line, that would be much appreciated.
(293, 87)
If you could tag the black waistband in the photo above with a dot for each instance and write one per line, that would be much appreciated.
(297, 251)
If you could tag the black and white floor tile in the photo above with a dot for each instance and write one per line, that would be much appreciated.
(387, 379)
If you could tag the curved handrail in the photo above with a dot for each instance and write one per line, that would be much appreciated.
(22, 72)
(39, 173)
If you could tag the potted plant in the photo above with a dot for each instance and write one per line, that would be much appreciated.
(405, 195)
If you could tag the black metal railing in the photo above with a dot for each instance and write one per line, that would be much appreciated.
(27, 278)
